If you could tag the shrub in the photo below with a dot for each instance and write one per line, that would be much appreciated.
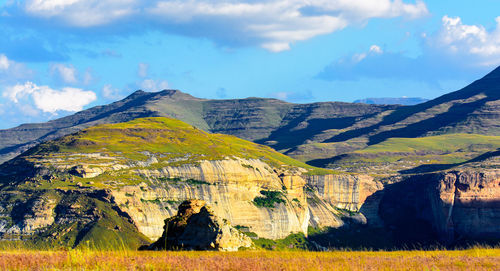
(269, 199)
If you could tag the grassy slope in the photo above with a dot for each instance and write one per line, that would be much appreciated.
(441, 143)
(169, 137)
(396, 153)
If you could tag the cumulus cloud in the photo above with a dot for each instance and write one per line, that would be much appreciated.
(48, 99)
(274, 25)
(457, 38)
(153, 85)
(270, 24)
(457, 51)
(66, 73)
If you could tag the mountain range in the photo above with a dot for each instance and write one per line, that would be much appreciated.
(316, 133)
(388, 175)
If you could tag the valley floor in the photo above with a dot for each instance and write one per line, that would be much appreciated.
(471, 259)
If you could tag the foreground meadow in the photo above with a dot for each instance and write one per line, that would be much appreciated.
(472, 259)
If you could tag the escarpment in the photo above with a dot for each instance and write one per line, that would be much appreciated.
(145, 168)
(452, 207)
(124, 180)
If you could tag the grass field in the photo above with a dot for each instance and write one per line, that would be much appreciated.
(471, 259)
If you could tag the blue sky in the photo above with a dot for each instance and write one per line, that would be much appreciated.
(62, 56)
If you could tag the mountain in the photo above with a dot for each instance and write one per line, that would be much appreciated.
(114, 181)
(387, 100)
(251, 118)
(316, 133)
(113, 185)
(474, 109)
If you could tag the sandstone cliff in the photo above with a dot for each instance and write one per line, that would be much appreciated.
(451, 206)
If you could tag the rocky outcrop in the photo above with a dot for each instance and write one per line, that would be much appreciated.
(39, 215)
(196, 227)
(70, 219)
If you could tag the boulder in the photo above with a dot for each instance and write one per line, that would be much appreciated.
(196, 227)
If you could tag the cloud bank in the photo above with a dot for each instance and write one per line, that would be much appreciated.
(273, 25)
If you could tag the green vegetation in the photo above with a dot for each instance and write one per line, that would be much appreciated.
(92, 222)
(155, 201)
(441, 143)
(171, 141)
(296, 241)
(186, 181)
(396, 154)
(269, 199)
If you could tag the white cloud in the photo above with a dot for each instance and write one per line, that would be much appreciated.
(66, 73)
(471, 41)
(11, 71)
(4, 62)
(143, 69)
(153, 85)
(82, 13)
(109, 92)
(303, 96)
(376, 49)
(50, 100)
(274, 25)
(270, 24)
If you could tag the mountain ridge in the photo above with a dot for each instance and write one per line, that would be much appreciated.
(305, 131)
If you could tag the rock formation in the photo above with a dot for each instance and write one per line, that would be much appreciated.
(452, 207)
(125, 179)
(196, 227)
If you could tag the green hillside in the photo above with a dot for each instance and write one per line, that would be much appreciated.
(442, 143)
(171, 141)
(402, 154)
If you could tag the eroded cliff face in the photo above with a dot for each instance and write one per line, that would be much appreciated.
(229, 186)
(344, 191)
(329, 196)
(447, 206)
(469, 202)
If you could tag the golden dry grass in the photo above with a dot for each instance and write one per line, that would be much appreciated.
(472, 259)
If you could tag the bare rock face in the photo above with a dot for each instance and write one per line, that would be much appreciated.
(344, 191)
(452, 206)
(228, 186)
(196, 227)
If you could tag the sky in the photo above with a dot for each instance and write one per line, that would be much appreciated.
(58, 57)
